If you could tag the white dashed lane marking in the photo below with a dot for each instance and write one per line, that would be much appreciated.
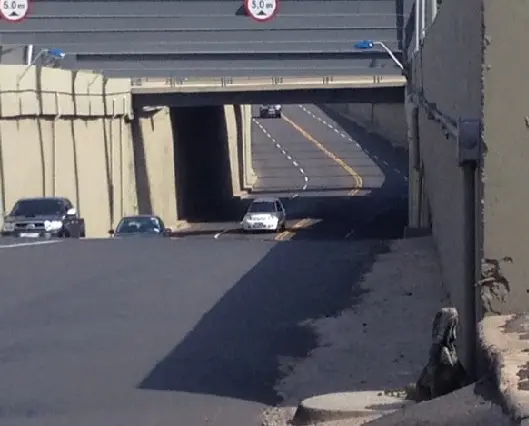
(285, 153)
(345, 136)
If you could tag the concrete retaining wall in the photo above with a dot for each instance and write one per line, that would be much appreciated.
(65, 134)
(505, 166)
(74, 135)
(448, 70)
(386, 120)
(153, 159)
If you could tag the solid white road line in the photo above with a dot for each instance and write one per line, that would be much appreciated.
(36, 243)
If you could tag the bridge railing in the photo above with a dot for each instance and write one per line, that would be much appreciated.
(266, 83)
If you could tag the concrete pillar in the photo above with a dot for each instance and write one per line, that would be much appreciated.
(414, 170)
(249, 173)
(425, 218)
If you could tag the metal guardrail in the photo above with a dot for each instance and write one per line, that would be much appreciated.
(276, 83)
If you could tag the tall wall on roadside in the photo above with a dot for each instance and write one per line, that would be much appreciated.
(76, 135)
(505, 169)
(66, 134)
(472, 65)
(448, 71)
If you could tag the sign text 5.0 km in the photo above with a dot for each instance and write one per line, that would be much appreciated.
(14, 10)
(261, 10)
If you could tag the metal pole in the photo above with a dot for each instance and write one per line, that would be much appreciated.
(29, 54)
(423, 18)
(468, 323)
(390, 53)
(434, 9)
(417, 25)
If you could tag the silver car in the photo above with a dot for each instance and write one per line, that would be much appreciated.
(265, 214)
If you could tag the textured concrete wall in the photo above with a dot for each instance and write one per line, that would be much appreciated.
(386, 120)
(235, 133)
(154, 164)
(64, 134)
(448, 70)
(505, 165)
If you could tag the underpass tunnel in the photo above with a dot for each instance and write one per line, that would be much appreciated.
(188, 161)
(202, 162)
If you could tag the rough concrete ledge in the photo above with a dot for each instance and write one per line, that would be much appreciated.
(345, 405)
(504, 342)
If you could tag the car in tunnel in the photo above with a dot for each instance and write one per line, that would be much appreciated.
(43, 217)
(266, 111)
(140, 226)
(265, 214)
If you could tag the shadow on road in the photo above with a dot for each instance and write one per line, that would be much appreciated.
(237, 347)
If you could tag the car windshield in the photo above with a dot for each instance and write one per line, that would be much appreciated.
(44, 207)
(262, 207)
(135, 225)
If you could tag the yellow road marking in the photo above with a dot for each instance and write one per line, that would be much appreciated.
(357, 178)
(303, 223)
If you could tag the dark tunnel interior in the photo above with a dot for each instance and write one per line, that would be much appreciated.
(202, 162)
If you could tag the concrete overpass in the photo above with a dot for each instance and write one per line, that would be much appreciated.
(262, 90)
(123, 38)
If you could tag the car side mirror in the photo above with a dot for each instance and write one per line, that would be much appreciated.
(111, 232)
(71, 212)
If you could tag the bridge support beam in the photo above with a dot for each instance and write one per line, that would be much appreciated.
(249, 176)
(419, 216)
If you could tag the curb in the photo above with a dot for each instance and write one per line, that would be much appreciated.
(504, 343)
(345, 405)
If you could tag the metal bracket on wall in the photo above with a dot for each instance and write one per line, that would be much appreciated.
(469, 141)
(226, 81)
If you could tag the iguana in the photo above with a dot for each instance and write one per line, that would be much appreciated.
(444, 372)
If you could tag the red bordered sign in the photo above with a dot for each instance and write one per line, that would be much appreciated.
(14, 10)
(261, 10)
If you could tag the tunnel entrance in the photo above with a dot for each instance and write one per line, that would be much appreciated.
(337, 178)
(202, 163)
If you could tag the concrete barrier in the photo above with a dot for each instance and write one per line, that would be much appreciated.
(74, 135)
(385, 120)
(65, 134)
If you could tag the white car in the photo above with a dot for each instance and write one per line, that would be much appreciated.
(265, 214)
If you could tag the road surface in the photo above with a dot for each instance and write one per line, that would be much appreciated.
(191, 330)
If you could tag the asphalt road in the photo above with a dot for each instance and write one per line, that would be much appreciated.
(191, 330)
(332, 177)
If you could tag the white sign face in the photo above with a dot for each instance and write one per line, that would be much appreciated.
(14, 10)
(261, 10)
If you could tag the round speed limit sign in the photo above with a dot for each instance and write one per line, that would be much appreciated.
(14, 10)
(261, 10)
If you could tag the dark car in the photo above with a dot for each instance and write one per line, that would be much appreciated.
(140, 225)
(44, 217)
(270, 111)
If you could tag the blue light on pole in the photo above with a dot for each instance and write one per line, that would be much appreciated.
(370, 44)
(53, 53)
(56, 53)
(364, 44)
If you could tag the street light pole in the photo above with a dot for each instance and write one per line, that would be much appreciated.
(54, 53)
(369, 44)
(390, 53)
